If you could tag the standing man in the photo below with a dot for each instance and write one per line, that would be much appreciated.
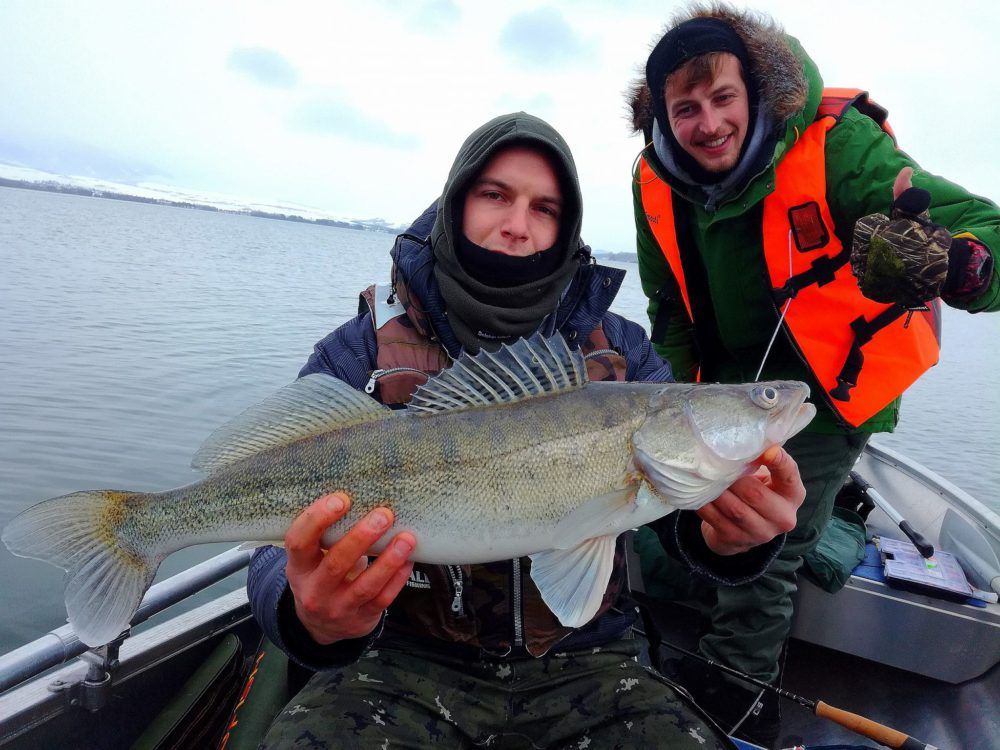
(458, 655)
(752, 193)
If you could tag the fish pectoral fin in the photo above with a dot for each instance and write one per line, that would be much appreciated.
(572, 581)
(611, 513)
(682, 488)
(312, 405)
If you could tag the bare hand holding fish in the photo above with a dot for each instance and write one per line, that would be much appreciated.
(756, 508)
(337, 595)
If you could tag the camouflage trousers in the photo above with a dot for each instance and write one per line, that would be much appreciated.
(599, 698)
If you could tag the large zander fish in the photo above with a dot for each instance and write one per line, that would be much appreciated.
(504, 454)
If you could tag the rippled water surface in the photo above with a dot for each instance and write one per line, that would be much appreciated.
(128, 332)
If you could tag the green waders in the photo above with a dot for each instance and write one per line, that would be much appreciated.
(392, 698)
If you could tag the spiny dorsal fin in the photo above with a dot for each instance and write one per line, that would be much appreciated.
(310, 406)
(525, 369)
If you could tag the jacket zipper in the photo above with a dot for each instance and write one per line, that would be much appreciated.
(376, 374)
(457, 603)
(518, 614)
(601, 352)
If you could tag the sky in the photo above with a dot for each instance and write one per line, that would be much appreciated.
(358, 109)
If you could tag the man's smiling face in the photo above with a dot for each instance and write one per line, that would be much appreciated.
(710, 118)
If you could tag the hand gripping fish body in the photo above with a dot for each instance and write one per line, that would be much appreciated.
(503, 455)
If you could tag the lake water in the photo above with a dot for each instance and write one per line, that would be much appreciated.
(130, 331)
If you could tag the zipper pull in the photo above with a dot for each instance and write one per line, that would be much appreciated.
(370, 385)
(455, 571)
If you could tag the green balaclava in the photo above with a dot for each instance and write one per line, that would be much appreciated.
(484, 315)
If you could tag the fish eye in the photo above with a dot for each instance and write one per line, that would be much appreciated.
(766, 397)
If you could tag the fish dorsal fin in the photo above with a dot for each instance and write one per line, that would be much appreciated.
(310, 406)
(525, 369)
(572, 581)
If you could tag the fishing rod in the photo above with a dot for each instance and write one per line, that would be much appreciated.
(858, 724)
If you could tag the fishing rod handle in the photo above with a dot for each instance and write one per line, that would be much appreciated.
(925, 548)
(871, 729)
(860, 482)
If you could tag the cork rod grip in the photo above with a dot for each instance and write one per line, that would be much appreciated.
(870, 729)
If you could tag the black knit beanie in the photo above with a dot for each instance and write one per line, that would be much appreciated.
(688, 40)
(691, 39)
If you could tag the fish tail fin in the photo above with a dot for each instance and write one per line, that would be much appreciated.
(106, 574)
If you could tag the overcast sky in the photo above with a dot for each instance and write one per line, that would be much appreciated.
(359, 112)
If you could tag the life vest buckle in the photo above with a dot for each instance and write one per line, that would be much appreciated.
(911, 310)
(784, 293)
(843, 390)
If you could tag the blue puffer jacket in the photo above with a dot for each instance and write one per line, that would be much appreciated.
(349, 353)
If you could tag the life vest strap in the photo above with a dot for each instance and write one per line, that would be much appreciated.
(864, 331)
(821, 271)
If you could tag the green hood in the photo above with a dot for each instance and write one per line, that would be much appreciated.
(518, 128)
(481, 315)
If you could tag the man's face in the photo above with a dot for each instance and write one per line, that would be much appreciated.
(710, 120)
(513, 206)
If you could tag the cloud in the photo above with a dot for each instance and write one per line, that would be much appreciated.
(428, 15)
(542, 37)
(332, 116)
(264, 66)
(540, 105)
(437, 14)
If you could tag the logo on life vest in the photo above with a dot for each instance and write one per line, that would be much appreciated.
(418, 580)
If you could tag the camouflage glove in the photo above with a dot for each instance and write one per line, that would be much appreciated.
(904, 258)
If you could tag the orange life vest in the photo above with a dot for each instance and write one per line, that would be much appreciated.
(864, 354)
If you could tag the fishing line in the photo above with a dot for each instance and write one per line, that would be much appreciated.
(781, 319)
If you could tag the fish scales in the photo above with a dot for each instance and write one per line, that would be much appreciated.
(506, 469)
(505, 454)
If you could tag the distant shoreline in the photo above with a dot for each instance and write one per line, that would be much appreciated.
(61, 187)
(617, 257)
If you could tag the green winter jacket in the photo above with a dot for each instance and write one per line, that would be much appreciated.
(861, 164)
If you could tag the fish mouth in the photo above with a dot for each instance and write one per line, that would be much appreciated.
(795, 416)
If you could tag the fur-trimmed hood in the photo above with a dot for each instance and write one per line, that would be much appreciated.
(781, 66)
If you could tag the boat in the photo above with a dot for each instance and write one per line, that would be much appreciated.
(920, 662)
(203, 678)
